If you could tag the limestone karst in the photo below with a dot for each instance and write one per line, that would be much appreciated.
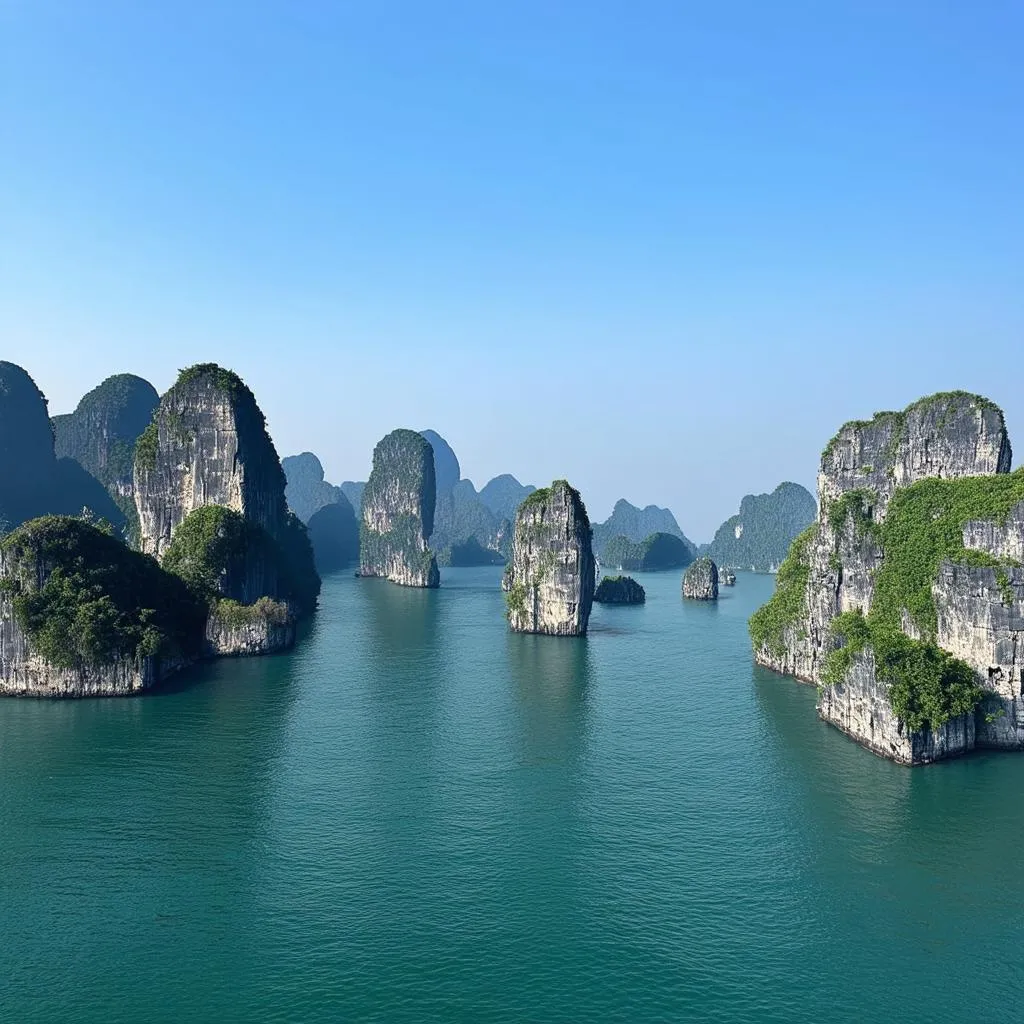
(549, 580)
(619, 590)
(33, 481)
(209, 488)
(636, 524)
(306, 490)
(100, 435)
(904, 601)
(655, 552)
(700, 581)
(398, 512)
(758, 537)
(504, 494)
(81, 614)
(334, 534)
(466, 531)
(328, 514)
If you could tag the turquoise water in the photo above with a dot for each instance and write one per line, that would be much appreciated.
(417, 816)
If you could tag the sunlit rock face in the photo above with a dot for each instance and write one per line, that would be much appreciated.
(931, 482)
(550, 578)
(398, 512)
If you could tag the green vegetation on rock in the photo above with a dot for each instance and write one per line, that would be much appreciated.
(146, 447)
(217, 551)
(236, 615)
(619, 590)
(923, 528)
(100, 601)
(927, 686)
(768, 625)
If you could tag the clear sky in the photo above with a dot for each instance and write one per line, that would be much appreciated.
(662, 249)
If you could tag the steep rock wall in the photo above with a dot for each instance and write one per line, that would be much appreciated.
(207, 445)
(835, 566)
(550, 578)
(398, 512)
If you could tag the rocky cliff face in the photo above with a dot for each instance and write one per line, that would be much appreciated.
(700, 581)
(903, 601)
(207, 445)
(760, 535)
(232, 630)
(550, 577)
(398, 512)
(100, 435)
(33, 481)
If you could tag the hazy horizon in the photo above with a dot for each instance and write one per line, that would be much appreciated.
(664, 253)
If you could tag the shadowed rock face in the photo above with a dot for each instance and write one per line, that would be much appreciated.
(880, 480)
(101, 433)
(334, 534)
(208, 445)
(550, 577)
(700, 581)
(306, 490)
(447, 471)
(33, 482)
(619, 590)
(398, 512)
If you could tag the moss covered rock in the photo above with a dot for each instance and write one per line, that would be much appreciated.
(619, 590)
(81, 614)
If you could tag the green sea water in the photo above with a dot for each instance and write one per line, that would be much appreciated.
(417, 816)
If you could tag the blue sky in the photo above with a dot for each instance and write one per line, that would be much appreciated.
(663, 249)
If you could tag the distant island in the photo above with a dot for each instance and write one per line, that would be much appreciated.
(655, 552)
(760, 535)
(636, 525)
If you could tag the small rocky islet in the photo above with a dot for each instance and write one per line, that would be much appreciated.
(619, 590)
(146, 533)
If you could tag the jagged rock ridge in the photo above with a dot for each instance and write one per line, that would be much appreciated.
(550, 578)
